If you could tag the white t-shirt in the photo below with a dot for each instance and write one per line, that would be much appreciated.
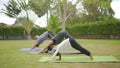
(63, 46)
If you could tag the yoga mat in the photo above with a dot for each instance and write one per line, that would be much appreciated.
(50, 52)
(66, 59)
(28, 49)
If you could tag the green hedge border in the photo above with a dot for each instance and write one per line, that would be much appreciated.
(99, 29)
(18, 32)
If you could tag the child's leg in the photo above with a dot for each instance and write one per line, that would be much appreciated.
(60, 48)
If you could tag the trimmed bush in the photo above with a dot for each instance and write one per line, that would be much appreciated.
(37, 31)
(105, 28)
(100, 29)
(18, 32)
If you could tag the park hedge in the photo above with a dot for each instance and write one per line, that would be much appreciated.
(99, 29)
(18, 32)
(109, 28)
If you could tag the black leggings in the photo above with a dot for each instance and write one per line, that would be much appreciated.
(77, 46)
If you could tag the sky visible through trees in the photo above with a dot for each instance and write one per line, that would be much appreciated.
(5, 19)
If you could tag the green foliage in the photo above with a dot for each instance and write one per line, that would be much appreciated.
(27, 24)
(96, 9)
(40, 7)
(6, 31)
(53, 24)
(23, 4)
(12, 9)
(38, 31)
(18, 31)
(108, 27)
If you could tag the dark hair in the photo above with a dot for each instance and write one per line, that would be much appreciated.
(50, 48)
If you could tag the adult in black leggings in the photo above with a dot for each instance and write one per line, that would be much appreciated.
(58, 40)
(78, 47)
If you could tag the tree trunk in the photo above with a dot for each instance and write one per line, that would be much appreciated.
(28, 36)
(62, 15)
(63, 25)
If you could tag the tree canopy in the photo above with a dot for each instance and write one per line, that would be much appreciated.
(40, 7)
(66, 11)
(97, 9)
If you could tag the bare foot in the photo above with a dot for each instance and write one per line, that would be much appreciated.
(91, 56)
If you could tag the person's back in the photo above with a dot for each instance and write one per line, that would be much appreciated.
(42, 38)
(60, 37)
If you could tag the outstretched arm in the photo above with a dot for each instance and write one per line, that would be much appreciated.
(44, 50)
(47, 48)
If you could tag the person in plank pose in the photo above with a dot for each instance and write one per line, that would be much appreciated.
(63, 45)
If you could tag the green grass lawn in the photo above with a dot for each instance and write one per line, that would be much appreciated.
(12, 57)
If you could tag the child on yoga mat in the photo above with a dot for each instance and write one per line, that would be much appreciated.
(68, 42)
(42, 38)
